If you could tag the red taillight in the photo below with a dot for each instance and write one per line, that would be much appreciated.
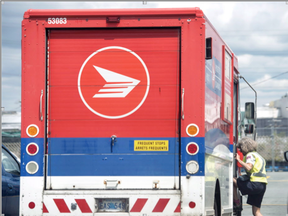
(192, 148)
(32, 149)
(192, 204)
(31, 205)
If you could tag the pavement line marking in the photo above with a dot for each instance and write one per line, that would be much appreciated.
(268, 205)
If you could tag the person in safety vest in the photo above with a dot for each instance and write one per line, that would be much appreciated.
(254, 182)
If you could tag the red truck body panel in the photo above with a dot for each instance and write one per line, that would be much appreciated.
(113, 93)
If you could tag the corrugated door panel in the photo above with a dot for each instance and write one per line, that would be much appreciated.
(122, 82)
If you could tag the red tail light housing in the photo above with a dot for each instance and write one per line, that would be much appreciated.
(32, 149)
(192, 148)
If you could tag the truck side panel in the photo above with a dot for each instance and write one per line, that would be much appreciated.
(218, 130)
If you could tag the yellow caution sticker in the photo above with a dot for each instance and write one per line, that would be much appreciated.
(151, 145)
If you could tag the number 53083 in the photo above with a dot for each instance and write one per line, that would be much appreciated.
(57, 20)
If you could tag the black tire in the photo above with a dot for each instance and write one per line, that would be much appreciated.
(217, 200)
(216, 210)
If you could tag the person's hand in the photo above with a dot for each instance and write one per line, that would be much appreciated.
(237, 157)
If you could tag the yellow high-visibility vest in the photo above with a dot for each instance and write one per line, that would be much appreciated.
(258, 172)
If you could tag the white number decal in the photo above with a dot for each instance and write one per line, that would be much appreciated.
(57, 20)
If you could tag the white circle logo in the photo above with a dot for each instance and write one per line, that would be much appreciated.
(113, 82)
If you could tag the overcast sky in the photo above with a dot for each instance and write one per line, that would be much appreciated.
(257, 33)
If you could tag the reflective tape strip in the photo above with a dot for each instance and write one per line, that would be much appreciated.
(138, 206)
(45, 209)
(161, 204)
(178, 208)
(84, 207)
(61, 205)
(63, 208)
(260, 173)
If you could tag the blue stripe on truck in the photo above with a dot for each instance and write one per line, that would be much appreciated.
(103, 146)
(113, 165)
(97, 157)
(93, 157)
(199, 157)
(38, 158)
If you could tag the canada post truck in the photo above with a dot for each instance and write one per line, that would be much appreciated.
(127, 112)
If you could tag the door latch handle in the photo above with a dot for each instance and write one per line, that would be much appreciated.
(182, 105)
(113, 139)
(40, 106)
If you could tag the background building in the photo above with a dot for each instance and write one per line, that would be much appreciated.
(272, 133)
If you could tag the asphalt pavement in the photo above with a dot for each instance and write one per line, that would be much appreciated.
(276, 196)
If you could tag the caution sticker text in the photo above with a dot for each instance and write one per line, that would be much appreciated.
(151, 145)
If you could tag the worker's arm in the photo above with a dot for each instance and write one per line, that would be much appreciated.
(247, 166)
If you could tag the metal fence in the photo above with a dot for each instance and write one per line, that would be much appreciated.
(272, 143)
(14, 147)
(11, 139)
